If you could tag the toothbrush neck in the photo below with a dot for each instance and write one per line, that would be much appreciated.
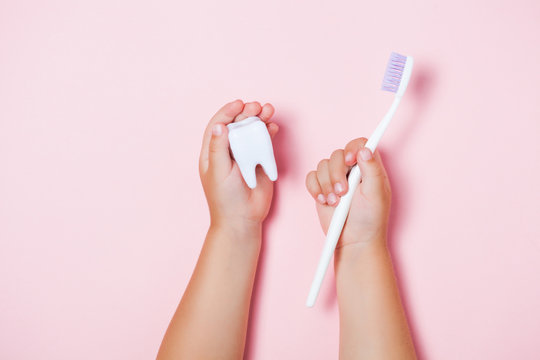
(376, 136)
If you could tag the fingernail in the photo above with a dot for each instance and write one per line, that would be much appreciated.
(216, 130)
(338, 188)
(320, 198)
(332, 199)
(365, 154)
(349, 157)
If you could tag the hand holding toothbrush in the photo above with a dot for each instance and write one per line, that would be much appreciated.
(396, 79)
(370, 206)
(372, 320)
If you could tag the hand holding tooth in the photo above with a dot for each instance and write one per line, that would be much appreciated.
(224, 179)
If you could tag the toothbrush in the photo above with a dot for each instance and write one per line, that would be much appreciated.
(396, 78)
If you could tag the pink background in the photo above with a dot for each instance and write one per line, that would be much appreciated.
(102, 108)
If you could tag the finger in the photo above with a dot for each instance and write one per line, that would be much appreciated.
(264, 186)
(224, 115)
(313, 187)
(250, 109)
(338, 172)
(373, 173)
(219, 160)
(267, 112)
(323, 175)
(351, 149)
(378, 158)
(273, 129)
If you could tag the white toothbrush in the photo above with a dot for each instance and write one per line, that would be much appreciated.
(396, 78)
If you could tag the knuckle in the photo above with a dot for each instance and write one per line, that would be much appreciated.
(310, 177)
(336, 176)
(338, 163)
(378, 173)
(326, 188)
(350, 144)
(356, 143)
(388, 190)
(325, 184)
(323, 164)
(336, 154)
(387, 185)
(214, 147)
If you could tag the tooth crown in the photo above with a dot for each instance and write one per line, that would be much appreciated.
(251, 145)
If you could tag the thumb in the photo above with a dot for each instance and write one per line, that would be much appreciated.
(219, 160)
(372, 169)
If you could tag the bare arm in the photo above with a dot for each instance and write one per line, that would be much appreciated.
(212, 317)
(372, 320)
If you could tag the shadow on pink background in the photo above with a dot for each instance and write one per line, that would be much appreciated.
(102, 216)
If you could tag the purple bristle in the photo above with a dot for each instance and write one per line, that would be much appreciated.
(393, 73)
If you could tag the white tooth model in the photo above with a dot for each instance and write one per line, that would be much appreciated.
(251, 145)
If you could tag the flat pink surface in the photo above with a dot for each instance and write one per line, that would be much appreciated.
(102, 108)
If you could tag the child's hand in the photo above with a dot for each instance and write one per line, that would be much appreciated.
(370, 207)
(232, 203)
(212, 317)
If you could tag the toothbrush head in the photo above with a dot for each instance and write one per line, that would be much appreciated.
(397, 75)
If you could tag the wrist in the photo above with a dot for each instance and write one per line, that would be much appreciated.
(240, 231)
(357, 252)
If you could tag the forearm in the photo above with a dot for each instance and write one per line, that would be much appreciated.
(211, 320)
(372, 321)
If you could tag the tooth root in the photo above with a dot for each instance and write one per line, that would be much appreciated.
(251, 145)
(270, 168)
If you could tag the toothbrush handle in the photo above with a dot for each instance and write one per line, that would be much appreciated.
(332, 235)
